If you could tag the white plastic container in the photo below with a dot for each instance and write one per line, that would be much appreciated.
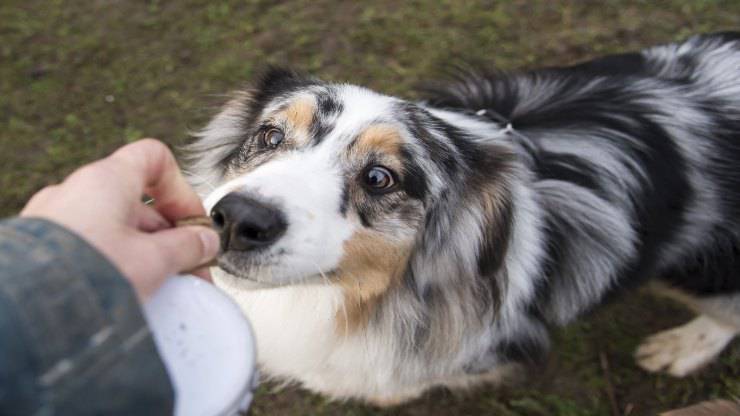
(207, 346)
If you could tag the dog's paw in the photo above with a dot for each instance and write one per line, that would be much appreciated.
(684, 349)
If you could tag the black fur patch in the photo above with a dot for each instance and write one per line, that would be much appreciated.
(712, 270)
(622, 64)
(527, 351)
(328, 108)
(495, 243)
(414, 178)
(344, 204)
(418, 122)
(363, 218)
(567, 168)
(278, 81)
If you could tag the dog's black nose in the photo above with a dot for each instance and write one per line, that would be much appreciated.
(246, 224)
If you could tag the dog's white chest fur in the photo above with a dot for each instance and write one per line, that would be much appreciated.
(297, 339)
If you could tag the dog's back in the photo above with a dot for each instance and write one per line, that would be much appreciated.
(654, 134)
(637, 160)
(707, 70)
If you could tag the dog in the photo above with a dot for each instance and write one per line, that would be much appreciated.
(382, 247)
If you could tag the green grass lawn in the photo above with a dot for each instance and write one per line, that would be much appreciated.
(80, 78)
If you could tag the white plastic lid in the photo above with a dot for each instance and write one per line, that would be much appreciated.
(207, 347)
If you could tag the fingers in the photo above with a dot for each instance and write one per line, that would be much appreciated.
(154, 171)
(149, 220)
(185, 248)
(203, 272)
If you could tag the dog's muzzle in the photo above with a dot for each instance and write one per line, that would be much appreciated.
(246, 224)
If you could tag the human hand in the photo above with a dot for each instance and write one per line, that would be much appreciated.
(102, 203)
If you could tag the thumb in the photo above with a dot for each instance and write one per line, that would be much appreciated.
(185, 248)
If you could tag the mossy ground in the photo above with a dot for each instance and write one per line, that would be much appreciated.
(80, 78)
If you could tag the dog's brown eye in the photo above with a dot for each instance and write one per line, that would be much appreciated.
(379, 178)
(273, 137)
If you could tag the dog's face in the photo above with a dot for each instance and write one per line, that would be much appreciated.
(321, 173)
(311, 182)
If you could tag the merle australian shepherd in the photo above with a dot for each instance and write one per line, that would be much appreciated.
(381, 247)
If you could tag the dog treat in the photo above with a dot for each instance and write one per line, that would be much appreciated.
(202, 221)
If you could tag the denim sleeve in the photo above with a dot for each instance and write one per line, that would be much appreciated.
(73, 340)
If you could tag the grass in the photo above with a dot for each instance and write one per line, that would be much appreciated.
(78, 79)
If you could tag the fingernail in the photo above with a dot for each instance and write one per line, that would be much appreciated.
(210, 243)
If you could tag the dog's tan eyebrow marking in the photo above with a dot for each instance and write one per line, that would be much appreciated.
(301, 112)
(382, 138)
(300, 115)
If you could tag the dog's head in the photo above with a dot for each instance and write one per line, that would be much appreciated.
(316, 183)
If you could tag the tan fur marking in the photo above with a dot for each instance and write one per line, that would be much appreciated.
(370, 266)
(300, 113)
(380, 138)
(299, 116)
(494, 202)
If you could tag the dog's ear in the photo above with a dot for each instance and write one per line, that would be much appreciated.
(456, 270)
(466, 230)
(470, 223)
(275, 81)
(207, 157)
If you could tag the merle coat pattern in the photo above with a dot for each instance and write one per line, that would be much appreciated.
(433, 243)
